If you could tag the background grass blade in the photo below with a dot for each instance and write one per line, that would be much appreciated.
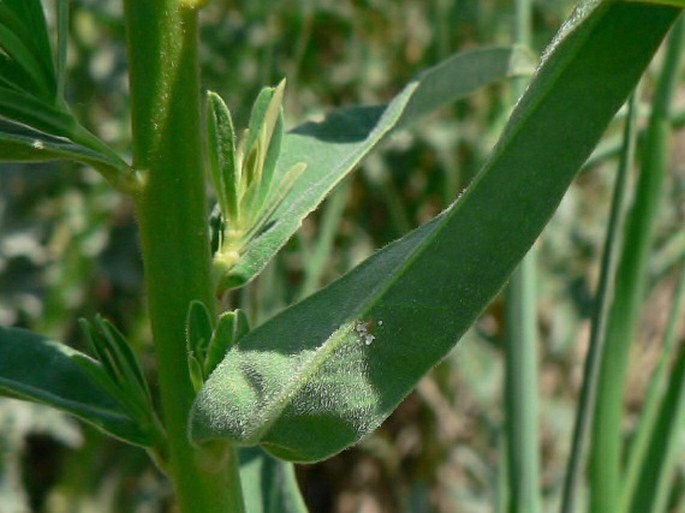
(601, 310)
(331, 149)
(328, 370)
(321, 253)
(655, 457)
(605, 460)
(37, 369)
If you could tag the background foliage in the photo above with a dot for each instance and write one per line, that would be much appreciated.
(68, 249)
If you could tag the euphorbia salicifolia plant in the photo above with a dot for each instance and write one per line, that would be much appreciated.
(328, 370)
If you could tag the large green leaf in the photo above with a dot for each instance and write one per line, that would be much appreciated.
(332, 148)
(35, 368)
(328, 370)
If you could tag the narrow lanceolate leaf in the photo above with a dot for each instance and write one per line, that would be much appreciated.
(331, 149)
(62, 37)
(119, 373)
(231, 328)
(26, 61)
(198, 328)
(35, 123)
(328, 370)
(41, 370)
(222, 155)
(19, 142)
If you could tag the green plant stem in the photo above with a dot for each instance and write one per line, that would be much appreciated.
(167, 147)
(601, 309)
(605, 454)
(521, 369)
(521, 392)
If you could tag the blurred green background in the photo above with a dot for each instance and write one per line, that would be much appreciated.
(68, 249)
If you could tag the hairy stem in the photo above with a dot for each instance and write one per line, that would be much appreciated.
(165, 95)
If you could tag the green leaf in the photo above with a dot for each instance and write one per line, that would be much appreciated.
(98, 345)
(269, 485)
(62, 37)
(198, 337)
(35, 368)
(224, 168)
(119, 373)
(198, 329)
(27, 61)
(263, 118)
(125, 359)
(231, 328)
(332, 148)
(270, 138)
(31, 27)
(325, 372)
(35, 123)
(20, 107)
(28, 68)
(262, 150)
(21, 143)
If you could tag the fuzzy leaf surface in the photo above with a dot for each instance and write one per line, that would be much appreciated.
(319, 376)
(332, 148)
(35, 368)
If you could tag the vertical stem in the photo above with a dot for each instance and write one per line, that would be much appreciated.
(521, 393)
(521, 373)
(165, 95)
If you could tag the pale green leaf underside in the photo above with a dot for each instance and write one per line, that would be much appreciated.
(333, 147)
(35, 368)
(328, 370)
